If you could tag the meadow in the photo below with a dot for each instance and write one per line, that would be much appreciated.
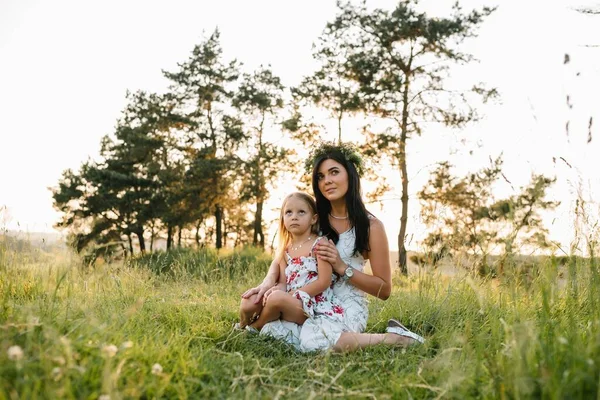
(160, 326)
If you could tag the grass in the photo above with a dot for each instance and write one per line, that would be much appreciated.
(519, 337)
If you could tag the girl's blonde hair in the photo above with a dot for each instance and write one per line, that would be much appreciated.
(285, 237)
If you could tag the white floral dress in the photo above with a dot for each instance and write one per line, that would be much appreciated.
(299, 272)
(320, 332)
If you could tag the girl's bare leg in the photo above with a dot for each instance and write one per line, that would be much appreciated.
(248, 309)
(280, 305)
(350, 341)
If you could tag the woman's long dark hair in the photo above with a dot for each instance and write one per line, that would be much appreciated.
(357, 213)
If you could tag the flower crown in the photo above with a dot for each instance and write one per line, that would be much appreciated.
(348, 150)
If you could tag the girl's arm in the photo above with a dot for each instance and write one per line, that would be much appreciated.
(380, 283)
(324, 272)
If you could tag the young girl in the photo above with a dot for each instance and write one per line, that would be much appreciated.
(304, 288)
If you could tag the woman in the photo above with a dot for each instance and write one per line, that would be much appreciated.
(354, 235)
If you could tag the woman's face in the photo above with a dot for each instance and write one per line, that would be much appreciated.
(333, 180)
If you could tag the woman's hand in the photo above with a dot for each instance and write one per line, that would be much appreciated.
(261, 289)
(327, 251)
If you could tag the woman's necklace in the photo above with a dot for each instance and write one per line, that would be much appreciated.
(294, 248)
(335, 217)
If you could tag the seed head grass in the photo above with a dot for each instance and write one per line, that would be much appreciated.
(160, 326)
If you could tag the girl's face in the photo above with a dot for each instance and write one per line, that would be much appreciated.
(298, 216)
(333, 180)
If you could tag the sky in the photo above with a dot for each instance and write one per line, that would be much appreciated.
(65, 67)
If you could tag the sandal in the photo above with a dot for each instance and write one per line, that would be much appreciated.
(396, 327)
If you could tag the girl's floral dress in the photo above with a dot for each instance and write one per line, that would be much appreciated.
(301, 271)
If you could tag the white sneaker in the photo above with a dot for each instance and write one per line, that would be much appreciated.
(396, 327)
(252, 329)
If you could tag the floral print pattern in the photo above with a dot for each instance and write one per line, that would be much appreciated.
(301, 271)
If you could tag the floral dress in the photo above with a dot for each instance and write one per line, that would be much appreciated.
(299, 272)
(321, 332)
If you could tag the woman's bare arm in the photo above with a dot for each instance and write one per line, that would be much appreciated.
(268, 282)
(380, 283)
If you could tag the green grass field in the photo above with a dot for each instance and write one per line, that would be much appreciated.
(161, 327)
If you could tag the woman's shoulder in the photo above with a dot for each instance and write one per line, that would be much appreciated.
(376, 228)
(374, 221)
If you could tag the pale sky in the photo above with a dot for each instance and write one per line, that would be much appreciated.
(65, 67)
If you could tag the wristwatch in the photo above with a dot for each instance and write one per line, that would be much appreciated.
(348, 273)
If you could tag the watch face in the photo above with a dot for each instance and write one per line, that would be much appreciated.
(349, 272)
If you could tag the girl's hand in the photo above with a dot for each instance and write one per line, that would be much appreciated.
(327, 251)
(260, 290)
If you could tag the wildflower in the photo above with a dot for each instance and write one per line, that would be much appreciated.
(562, 340)
(127, 345)
(104, 397)
(15, 353)
(56, 373)
(157, 369)
(59, 360)
(110, 350)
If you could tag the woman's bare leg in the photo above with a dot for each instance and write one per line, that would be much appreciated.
(350, 341)
(280, 305)
(248, 309)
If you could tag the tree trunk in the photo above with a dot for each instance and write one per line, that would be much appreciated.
(219, 222)
(179, 236)
(169, 237)
(402, 256)
(140, 236)
(152, 236)
(340, 116)
(130, 244)
(124, 249)
(197, 237)
(259, 237)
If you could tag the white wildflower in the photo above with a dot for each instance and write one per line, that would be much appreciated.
(104, 397)
(562, 340)
(157, 369)
(110, 350)
(56, 373)
(15, 353)
(127, 345)
(59, 360)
